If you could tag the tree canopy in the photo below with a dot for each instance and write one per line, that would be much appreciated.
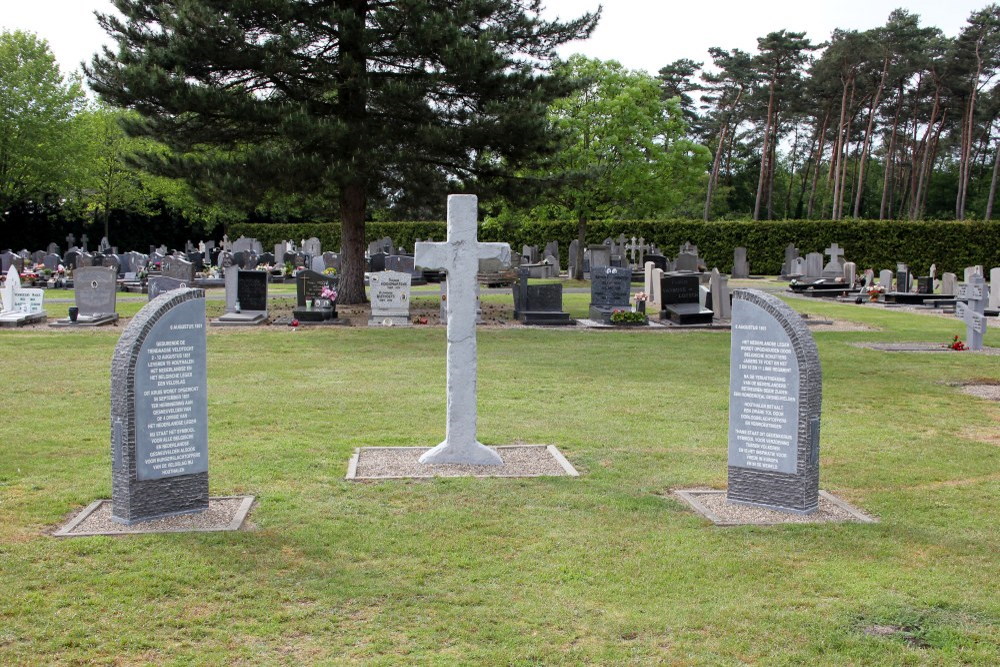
(334, 98)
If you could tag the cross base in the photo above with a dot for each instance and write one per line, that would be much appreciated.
(475, 454)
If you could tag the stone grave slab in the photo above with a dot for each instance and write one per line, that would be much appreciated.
(390, 299)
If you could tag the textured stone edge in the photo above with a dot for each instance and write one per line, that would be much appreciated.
(689, 496)
(239, 518)
(568, 469)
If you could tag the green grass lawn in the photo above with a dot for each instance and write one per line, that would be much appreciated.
(603, 569)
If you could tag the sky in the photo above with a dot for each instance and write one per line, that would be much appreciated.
(641, 34)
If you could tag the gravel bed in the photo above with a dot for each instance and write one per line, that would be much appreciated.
(220, 515)
(724, 513)
(924, 347)
(400, 462)
(990, 392)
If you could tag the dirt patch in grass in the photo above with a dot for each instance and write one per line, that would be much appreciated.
(903, 633)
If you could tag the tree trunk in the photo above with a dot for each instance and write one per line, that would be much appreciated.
(964, 166)
(352, 240)
(819, 163)
(581, 243)
(890, 160)
(867, 141)
(838, 148)
(715, 171)
(764, 152)
(352, 98)
(993, 185)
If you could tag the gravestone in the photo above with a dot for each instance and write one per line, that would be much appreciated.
(157, 285)
(390, 299)
(610, 288)
(318, 264)
(95, 290)
(718, 284)
(51, 262)
(313, 247)
(688, 259)
(867, 281)
(835, 267)
(925, 285)
(741, 267)
(971, 308)
(600, 256)
(539, 304)
(459, 257)
(902, 278)
(246, 298)
(850, 274)
(659, 261)
(774, 411)
(332, 261)
(311, 305)
(994, 304)
(681, 300)
(376, 262)
(400, 263)
(574, 267)
(159, 411)
(180, 269)
(949, 284)
(972, 270)
(885, 279)
(20, 306)
(52, 249)
(529, 254)
(814, 266)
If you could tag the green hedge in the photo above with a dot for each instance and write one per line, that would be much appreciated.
(869, 243)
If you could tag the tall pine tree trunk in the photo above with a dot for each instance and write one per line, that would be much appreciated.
(713, 177)
(764, 152)
(352, 108)
(993, 185)
(867, 142)
(890, 161)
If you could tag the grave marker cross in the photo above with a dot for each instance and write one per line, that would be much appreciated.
(835, 252)
(459, 257)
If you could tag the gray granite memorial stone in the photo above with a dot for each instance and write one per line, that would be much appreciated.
(741, 267)
(182, 270)
(159, 411)
(774, 411)
(95, 290)
(157, 285)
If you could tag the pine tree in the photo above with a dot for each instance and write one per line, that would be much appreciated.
(334, 97)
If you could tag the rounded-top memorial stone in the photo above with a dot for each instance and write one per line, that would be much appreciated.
(159, 410)
(774, 410)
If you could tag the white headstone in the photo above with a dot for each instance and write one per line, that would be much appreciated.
(459, 257)
(885, 277)
(390, 297)
(721, 305)
(949, 284)
(656, 296)
(973, 270)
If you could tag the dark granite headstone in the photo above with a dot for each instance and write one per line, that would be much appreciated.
(376, 262)
(774, 410)
(159, 411)
(251, 290)
(659, 261)
(609, 291)
(681, 302)
(309, 288)
(539, 304)
(925, 285)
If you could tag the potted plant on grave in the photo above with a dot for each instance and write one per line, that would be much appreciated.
(628, 318)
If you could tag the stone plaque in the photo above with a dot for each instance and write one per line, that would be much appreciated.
(610, 286)
(159, 410)
(774, 410)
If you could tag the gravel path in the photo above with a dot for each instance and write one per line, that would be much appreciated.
(924, 347)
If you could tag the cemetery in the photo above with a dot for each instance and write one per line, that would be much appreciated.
(412, 338)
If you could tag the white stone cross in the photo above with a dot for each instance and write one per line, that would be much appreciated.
(974, 292)
(835, 252)
(459, 257)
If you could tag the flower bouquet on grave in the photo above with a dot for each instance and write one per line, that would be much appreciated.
(957, 344)
(640, 302)
(327, 298)
(329, 271)
(874, 291)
